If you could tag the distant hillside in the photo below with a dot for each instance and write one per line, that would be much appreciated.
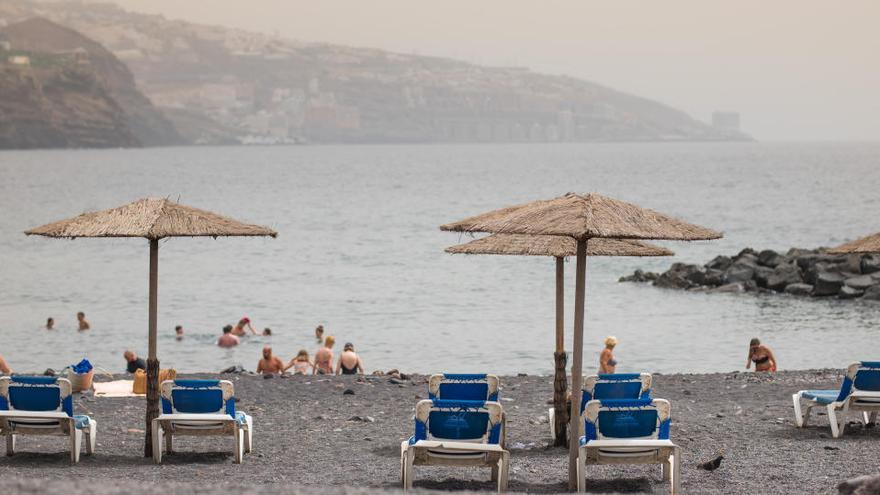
(227, 85)
(39, 35)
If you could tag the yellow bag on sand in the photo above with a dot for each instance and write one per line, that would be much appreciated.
(140, 379)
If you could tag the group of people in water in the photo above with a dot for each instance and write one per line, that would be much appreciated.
(81, 323)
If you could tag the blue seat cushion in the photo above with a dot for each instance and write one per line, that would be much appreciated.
(823, 397)
(81, 421)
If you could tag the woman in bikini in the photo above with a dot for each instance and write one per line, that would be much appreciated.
(761, 355)
(607, 363)
(300, 363)
(324, 358)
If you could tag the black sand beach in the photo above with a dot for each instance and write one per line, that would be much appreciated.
(307, 440)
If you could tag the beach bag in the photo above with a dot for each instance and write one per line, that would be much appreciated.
(80, 376)
(140, 379)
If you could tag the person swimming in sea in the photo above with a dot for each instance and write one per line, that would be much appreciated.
(324, 358)
(178, 332)
(82, 323)
(300, 364)
(607, 363)
(227, 339)
(319, 334)
(761, 355)
(50, 323)
(349, 362)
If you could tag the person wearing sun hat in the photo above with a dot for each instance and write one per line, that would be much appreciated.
(607, 363)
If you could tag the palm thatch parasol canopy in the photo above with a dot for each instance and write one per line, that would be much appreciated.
(865, 245)
(557, 246)
(153, 219)
(583, 216)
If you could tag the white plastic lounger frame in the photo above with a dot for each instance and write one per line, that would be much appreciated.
(465, 433)
(860, 392)
(629, 432)
(43, 406)
(200, 408)
(610, 386)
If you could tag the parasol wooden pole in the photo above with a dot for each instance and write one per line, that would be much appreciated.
(152, 360)
(560, 381)
(577, 362)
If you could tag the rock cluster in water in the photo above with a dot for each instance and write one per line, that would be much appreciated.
(799, 272)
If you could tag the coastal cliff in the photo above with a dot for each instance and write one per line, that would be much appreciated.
(61, 89)
(222, 85)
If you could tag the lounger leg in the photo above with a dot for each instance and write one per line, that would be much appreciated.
(10, 444)
(157, 441)
(169, 443)
(249, 435)
(582, 470)
(676, 471)
(666, 468)
(408, 473)
(90, 440)
(551, 413)
(75, 445)
(872, 417)
(239, 445)
(801, 416)
(504, 475)
(837, 426)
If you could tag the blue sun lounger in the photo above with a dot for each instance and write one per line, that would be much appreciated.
(200, 407)
(452, 386)
(628, 432)
(860, 392)
(43, 405)
(456, 433)
(609, 386)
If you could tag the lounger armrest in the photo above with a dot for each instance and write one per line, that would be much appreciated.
(462, 446)
(603, 444)
(34, 414)
(208, 418)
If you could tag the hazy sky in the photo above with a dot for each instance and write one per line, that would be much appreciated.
(794, 69)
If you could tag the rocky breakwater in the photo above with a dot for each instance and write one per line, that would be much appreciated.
(799, 272)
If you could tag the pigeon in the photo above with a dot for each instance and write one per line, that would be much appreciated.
(711, 465)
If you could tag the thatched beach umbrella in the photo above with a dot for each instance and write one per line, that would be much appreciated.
(153, 219)
(582, 217)
(560, 248)
(865, 245)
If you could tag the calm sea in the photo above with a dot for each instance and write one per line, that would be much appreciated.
(359, 251)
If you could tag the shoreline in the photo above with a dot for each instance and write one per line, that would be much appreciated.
(306, 440)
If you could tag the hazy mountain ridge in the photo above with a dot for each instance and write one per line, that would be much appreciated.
(228, 85)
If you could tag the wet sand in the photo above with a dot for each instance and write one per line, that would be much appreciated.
(306, 440)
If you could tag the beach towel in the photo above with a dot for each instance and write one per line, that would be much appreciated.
(116, 388)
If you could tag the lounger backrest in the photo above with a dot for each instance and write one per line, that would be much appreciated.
(462, 420)
(198, 397)
(860, 377)
(451, 386)
(616, 386)
(626, 419)
(35, 393)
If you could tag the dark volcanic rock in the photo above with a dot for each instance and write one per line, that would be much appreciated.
(714, 278)
(861, 282)
(770, 258)
(870, 264)
(799, 289)
(734, 287)
(738, 273)
(872, 294)
(639, 276)
(762, 273)
(828, 284)
(783, 276)
(722, 263)
(847, 292)
(863, 485)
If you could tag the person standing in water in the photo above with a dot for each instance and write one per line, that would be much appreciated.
(238, 331)
(50, 323)
(319, 334)
(324, 358)
(761, 355)
(178, 332)
(227, 339)
(349, 362)
(83, 323)
(607, 363)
